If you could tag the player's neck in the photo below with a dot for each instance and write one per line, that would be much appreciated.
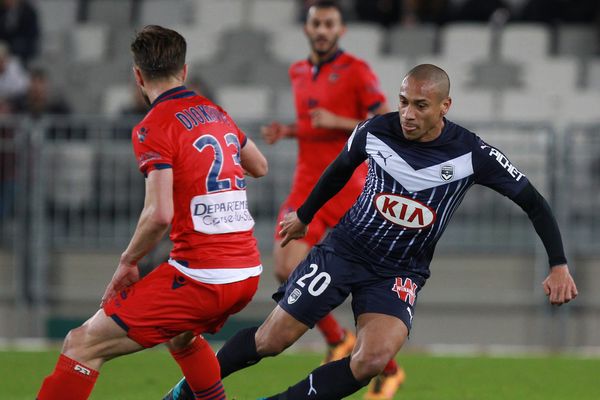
(154, 90)
(434, 133)
(318, 59)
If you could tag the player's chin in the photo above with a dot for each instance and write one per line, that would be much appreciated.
(322, 47)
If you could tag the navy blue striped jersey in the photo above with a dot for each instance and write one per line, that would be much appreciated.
(412, 190)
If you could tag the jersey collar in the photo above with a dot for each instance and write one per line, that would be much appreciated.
(175, 93)
(316, 68)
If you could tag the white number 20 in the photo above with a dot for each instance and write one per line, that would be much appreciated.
(320, 282)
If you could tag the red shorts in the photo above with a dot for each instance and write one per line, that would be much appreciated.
(328, 215)
(166, 303)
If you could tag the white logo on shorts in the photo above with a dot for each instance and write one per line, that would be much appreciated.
(294, 296)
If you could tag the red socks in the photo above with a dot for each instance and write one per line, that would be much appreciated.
(391, 368)
(70, 381)
(330, 328)
(201, 369)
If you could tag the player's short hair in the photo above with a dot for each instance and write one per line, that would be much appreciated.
(327, 4)
(158, 52)
(433, 73)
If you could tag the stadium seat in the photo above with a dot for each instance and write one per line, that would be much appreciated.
(580, 107)
(219, 15)
(57, 15)
(113, 12)
(553, 75)
(412, 41)
(285, 109)
(205, 43)
(525, 42)
(390, 71)
(472, 105)
(164, 12)
(244, 44)
(71, 183)
(52, 44)
(593, 74)
(273, 15)
(579, 41)
(466, 41)
(116, 98)
(289, 45)
(270, 73)
(364, 40)
(528, 106)
(89, 42)
(246, 102)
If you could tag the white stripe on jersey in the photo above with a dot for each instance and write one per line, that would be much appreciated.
(217, 276)
(411, 179)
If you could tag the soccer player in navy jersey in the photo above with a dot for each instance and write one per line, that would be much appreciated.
(420, 167)
(333, 91)
(194, 158)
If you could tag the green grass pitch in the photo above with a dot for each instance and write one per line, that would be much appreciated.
(148, 375)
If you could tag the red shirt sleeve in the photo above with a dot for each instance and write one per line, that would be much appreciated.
(369, 90)
(152, 147)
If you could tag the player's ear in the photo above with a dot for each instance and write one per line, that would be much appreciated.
(446, 103)
(184, 73)
(139, 79)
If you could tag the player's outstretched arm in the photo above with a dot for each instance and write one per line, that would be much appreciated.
(276, 130)
(153, 224)
(253, 161)
(559, 286)
(323, 118)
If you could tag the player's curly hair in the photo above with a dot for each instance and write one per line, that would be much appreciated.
(158, 52)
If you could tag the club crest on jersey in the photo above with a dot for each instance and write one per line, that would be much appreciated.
(406, 290)
(447, 172)
(333, 77)
(404, 211)
(294, 296)
(141, 134)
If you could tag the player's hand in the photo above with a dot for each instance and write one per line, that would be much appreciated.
(321, 118)
(291, 228)
(125, 275)
(559, 285)
(273, 132)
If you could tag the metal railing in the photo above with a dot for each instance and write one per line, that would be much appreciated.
(72, 184)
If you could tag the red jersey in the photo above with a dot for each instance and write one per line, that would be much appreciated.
(344, 85)
(212, 227)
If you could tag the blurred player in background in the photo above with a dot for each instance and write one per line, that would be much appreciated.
(333, 91)
(194, 158)
(420, 167)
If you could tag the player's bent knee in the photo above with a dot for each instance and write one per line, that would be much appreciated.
(367, 365)
(180, 341)
(74, 345)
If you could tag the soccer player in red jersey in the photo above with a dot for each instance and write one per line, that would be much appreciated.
(333, 92)
(194, 158)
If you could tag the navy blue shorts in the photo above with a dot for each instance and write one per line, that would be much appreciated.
(323, 280)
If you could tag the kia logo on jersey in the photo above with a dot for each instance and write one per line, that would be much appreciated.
(404, 211)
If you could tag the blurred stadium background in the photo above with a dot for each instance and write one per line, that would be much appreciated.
(70, 193)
